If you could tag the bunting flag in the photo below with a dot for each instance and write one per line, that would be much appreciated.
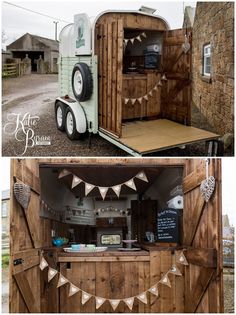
(114, 303)
(140, 100)
(164, 78)
(117, 190)
(51, 273)
(99, 301)
(61, 281)
(43, 264)
(142, 297)
(76, 181)
(144, 35)
(165, 280)
(133, 100)
(88, 188)
(129, 302)
(175, 271)
(73, 289)
(142, 176)
(85, 297)
(103, 191)
(64, 173)
(159, 83)
(126, 100)
(154, 290)
(130, 183)
(182, 259)
(138, 38)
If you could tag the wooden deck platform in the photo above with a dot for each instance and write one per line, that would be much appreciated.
(156, 135)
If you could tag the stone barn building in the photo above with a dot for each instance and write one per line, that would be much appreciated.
(213, 64)
(37, 48)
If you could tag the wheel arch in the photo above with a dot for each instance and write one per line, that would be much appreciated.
(78, 111)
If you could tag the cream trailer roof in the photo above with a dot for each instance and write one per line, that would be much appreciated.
(77, 39)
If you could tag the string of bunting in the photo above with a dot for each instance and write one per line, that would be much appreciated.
(103, 190)
(148, 95)
(138, 38)
(129, 301)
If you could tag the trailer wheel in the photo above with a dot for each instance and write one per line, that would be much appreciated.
(70, 125)
(82, 82)
(60, 113)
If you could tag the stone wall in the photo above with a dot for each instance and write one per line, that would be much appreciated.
(214, 23)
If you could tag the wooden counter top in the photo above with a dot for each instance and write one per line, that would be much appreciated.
(109, 255)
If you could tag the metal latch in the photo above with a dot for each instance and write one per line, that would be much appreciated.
(18, 261)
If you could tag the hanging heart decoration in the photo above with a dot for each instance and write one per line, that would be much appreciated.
(186, 45)
(22, 193)
(207, 188)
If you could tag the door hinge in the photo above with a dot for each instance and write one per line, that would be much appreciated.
(18, 261)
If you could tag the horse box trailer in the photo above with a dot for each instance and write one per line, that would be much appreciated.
(127, 77)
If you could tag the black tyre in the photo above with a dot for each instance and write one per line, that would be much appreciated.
(60, 115)
(70, 125)
(82, 82)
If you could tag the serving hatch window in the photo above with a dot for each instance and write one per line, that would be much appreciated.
(110, 239)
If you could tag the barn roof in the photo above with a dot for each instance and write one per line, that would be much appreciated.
(30, 40)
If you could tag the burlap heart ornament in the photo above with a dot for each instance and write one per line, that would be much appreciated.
(207, 188)
(22, 193)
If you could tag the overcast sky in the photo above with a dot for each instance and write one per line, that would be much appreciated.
(228, 185)
(16, 22)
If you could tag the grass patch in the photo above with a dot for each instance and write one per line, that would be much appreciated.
(5, 260)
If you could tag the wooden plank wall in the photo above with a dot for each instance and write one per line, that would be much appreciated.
(121, 280)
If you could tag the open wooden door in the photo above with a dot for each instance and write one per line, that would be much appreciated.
(176, 91)
(202, 236)
(109, 46)
(25, 241)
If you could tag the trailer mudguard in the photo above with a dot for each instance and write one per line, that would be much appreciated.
(78, 111)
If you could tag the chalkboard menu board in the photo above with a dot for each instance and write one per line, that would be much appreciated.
(168, 226)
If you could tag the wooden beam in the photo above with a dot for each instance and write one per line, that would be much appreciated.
(194, 297)
(26, 292)
(205, 257)
(193, 180)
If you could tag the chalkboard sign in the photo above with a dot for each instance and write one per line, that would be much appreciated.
(168, 226)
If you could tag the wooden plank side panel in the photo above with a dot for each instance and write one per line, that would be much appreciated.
(109, 77)
(114, 77)
(120, 32)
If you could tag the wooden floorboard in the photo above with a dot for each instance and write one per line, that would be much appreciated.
(154, 135)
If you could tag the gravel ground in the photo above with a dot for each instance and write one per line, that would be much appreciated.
(35, 94)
